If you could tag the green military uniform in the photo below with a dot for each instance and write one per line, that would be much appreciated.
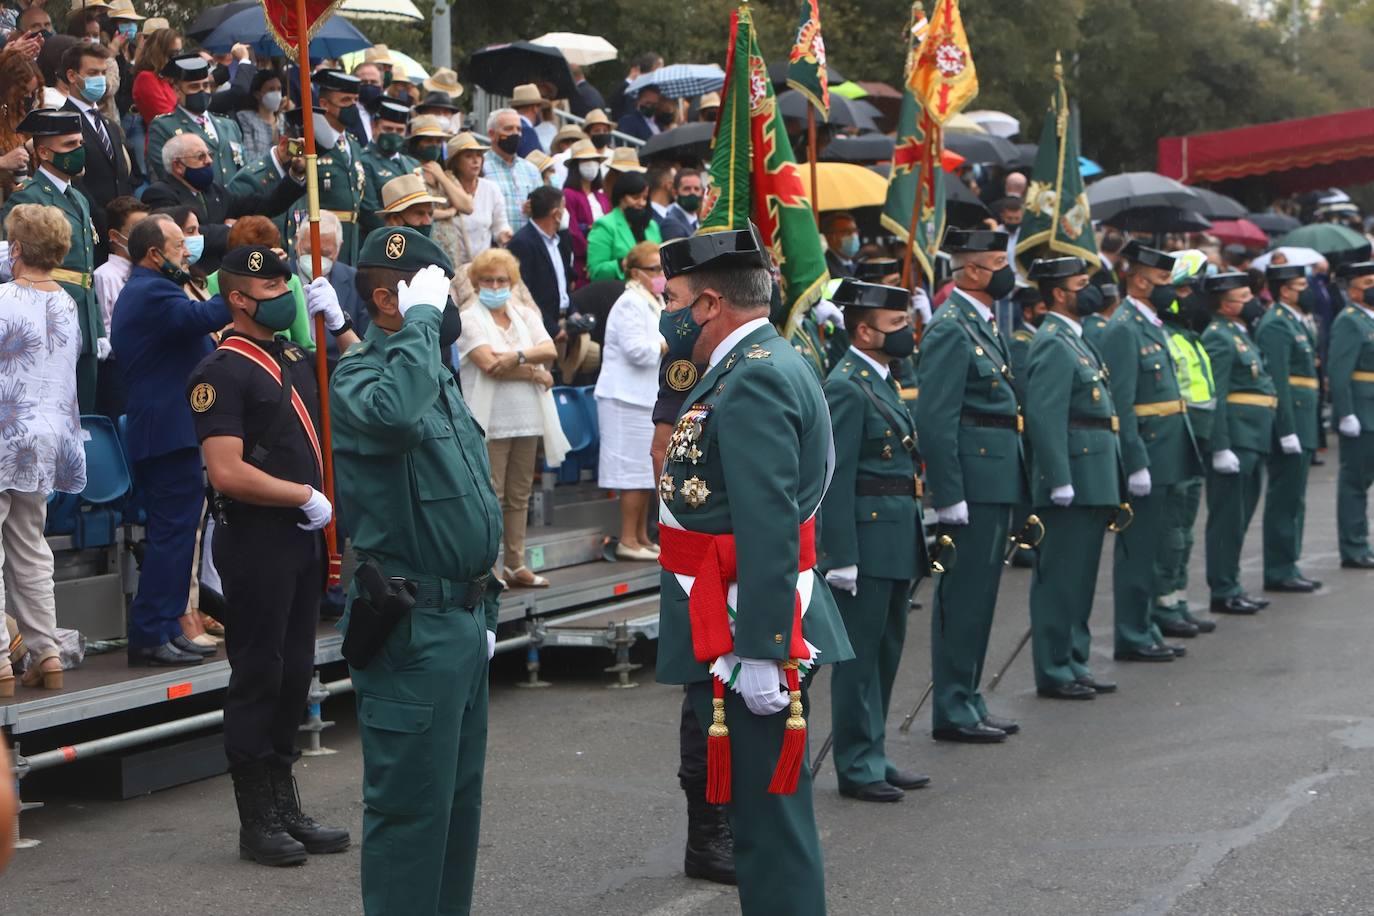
(261, 176)
(221, 135)
(748, 459)
(969, 422)
(1018, 348)
(1289, 349)
(414, 486)
(1156, 437)
(806, 340)
(870, 522)
(344, 190)
(1093, 327)
(378, 169)
(1350, 376)
(74, 275)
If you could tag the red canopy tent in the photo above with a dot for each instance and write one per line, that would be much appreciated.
(1292, 156)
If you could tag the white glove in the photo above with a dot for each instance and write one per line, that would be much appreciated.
(956, 514)
(759, 683)
(491, 644)
(103, 348)
(317, 511)
(321, 298)
(846, 579)
(920, 304)
(1290, 444)
(826, 310)
(1062, 496)
(1350, 426)
(1139, 483)
(1225, 462)
(428, 287)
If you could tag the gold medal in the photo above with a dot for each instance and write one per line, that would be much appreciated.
(681, 375)
(202, 397)
(695, 492)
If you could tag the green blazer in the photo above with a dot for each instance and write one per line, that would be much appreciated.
(226, 148)
(261, 177)
(881, 534)
(1141, 372)
(379, 169)
(1352, 350)
(80, 258)
(1290, 352)
(806, 340)
(1237, 369)
(1069, 413)
(1019, 348)
(748, 458)
(609, 240)
(964, 368)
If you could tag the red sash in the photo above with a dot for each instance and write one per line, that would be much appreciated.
(256, 354)
(711, 559)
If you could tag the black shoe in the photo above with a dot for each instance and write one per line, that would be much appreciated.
(1179, 629)
(710, 854)
(1005, 725)
(1296, 585)
(1098, 686)
(1179, 651)
(1237, 604)
(904, 779)
(262, 835)
(1203, 624)
(1146, 654)
(874, 792)
(166, 655)
(1070, 691)
(185, 644)
(970, 734)
(1364, 562)
(317, 840)
(1260, 603)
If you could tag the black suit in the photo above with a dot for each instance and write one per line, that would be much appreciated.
(216, 204)
(837, 266)
(537, 270)
(586, 99)
(106, 177)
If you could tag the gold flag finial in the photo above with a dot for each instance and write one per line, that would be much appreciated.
(1058, 67)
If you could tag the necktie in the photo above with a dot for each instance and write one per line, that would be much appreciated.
(104, 135)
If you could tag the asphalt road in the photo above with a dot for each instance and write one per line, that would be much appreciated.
(1235, 781)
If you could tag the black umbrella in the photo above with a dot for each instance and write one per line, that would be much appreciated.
(843, 112)
(1274, 223)
(1157, 220)
(862, 149)
(1025, 156)
(500, 68)
(984, 148)
(688, 143)
(963, 209)
(1133, 190)
(1219, 206)
(211, 18)
(777, 74)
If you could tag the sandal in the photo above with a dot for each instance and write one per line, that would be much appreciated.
(45, 673)
(6, 679)
(523, 578)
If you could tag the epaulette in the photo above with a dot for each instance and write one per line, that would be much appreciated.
(1022, 335)
(357, 349)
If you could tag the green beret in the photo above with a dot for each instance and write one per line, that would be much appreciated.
(402, 248)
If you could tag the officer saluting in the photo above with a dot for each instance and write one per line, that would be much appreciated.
(872, 543)
(1076, 479)
(1289, 350)
(969, 424)
(743, 478)
(1241, 429)
(415, 487)
(1350, 375)
(255, 404)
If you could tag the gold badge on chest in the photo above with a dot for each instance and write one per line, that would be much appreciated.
(684, 444)
(666, 488)
(695, 492)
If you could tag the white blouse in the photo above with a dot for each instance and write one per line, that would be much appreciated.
(515, 407)
(630, 355)
(486, 221)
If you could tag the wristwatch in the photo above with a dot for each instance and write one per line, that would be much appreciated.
(520, 357)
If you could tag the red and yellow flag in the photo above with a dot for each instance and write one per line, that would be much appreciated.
(944, 79)
(281, 20)
(806, 70)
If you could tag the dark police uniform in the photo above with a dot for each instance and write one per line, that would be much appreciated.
(273, 571)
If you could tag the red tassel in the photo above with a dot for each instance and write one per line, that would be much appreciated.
(788, 771)
(718, 749)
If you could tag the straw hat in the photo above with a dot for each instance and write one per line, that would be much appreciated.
(585, 151)
(709, 100)
(625, 159)
(378, 54)
(597, 116)
(569, 132)
(124, 9)
(443, 80)
(540, 160)
(404, 192)
(427, 126)
(78, 5)
(466, 142)
(398, 73)
(528, 94)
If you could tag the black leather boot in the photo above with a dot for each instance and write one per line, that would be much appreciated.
(710, 845)
(262, 835)
(316, 839)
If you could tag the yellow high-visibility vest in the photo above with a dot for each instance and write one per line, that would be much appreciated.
(1194, 368)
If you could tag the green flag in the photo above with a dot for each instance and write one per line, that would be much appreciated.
(1057, 218)
(754, 177)
(917, 176)
(806, 71)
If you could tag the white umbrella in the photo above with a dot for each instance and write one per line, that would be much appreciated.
(963, 124)
(1303, 257)
(997, 123)
(582, 50)
(414, 72)
(383, 10)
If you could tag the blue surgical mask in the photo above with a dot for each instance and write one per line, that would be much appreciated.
(128, 29)
(93, 88)
(849, 246)
(195, 247)
(493, 298)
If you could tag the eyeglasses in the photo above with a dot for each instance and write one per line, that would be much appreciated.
(493, 282)
(200, 158)
(649, 269)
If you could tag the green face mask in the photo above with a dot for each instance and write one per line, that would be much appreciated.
(430, 153)
(277, 313)
(390, 144)
(424, 230)
(72, 162)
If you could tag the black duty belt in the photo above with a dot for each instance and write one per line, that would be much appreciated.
(888, 486)
(1108, 423)
(436, 592)
(993, 420)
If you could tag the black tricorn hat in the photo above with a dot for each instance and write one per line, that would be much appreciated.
(732, 248)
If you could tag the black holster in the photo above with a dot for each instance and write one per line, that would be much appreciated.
(374, 613)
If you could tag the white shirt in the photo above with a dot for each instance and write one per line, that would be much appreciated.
(204, 120)
(365, 117)
(62, 183)
(1364, 308)
(486, 221)
(551, 245)
(630, 354)
(660, 209)
(1145, 310)
(109, 279)
(725, 346)
(880, 368)
(516, 410)
(983, 311)
(272, 157)
(91, 113)
(1077, 328)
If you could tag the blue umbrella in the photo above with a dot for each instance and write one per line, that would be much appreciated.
(1087, 168)
(334, 39)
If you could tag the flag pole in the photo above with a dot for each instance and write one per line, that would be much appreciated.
(312, 196)
(811, 161)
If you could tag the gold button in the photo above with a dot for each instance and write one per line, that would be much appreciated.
(873, 515)
(777, 637)
(887, 432)
(1085, 450)
(982, 451)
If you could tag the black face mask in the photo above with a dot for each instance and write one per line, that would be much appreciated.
(1252, 311)
(663, 119)
(1002, 282)
(601, 141)
(638, 218)
(648, 110)
(174, 273)
(901, 343)
(1161, 297)
(369, 95)
(450, 325)
(220, 74)
(509, 145)
(1089, 301)
(1308, 299)
(197, 102)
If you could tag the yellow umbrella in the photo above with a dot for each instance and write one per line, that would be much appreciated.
(845, 186)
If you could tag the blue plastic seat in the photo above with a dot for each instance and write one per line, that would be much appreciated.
(107, 472)
(572, 416)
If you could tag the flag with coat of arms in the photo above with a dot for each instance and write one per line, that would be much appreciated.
(806, 70)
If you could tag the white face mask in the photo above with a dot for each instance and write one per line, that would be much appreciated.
(588, 170)
(325, 136)
(271, 101)
(306, 269)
